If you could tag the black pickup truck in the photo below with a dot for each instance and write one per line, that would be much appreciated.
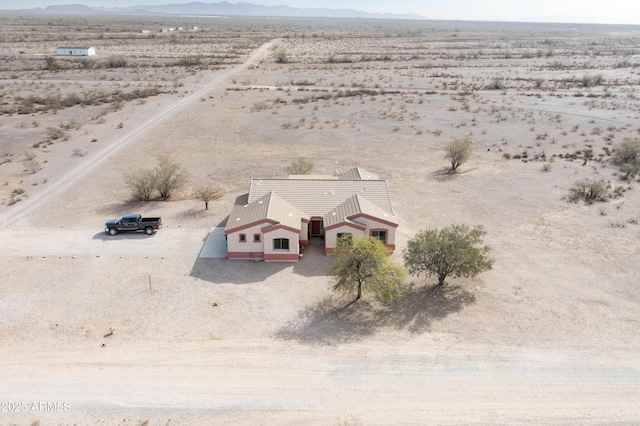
(133, 222)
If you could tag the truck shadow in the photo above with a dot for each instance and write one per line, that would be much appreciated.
(103, 236)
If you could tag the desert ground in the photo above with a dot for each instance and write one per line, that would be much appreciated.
(550, 335)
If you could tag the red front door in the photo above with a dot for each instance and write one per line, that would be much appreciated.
(316, 226)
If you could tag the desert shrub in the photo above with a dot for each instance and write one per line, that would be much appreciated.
(208, 192)
(169, 176)
(51, 63)
(32, 165)
(496, 84)
(142, 183)
(189, 61)
(627, 157)
(117, 61)
(282, 57)
(332, 59)
(457, 152)
(588, 190)
(300, 166)
(56, 133)
(592, 80)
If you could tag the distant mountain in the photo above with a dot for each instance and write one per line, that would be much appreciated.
(217, 9)
(69, 9)
(248, 9)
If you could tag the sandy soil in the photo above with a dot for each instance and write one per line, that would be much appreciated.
(550, 335)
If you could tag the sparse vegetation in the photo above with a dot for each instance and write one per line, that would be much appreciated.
(300, 166)
(281, 57)
(208, 192)
(588, 190)
(626, 157)
(169, 176)
(458, 151)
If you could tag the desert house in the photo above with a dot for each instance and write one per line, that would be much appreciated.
(75, 51)
(279, 217)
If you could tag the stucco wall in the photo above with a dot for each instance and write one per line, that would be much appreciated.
(250, 249)
(294, 243)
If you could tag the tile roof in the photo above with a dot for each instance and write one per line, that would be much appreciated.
(353, 206)
(317, 197)
(270, 206)
(357, 173)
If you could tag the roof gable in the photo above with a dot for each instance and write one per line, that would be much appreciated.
(356, 205)
(269, 208)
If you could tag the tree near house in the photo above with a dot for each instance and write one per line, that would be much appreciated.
(300, 166)
(363, 264)
(208, 192)
(454, 251)
(458, 152)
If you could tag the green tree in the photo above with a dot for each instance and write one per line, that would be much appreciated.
(454, 251)
(627, 157)
(364, 264)
(457, 152)
(208, 192)
(169, 176)
(300, 166)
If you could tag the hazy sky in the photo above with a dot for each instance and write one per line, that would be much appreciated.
(591, 11)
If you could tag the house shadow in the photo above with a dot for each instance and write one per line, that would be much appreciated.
(335, 320)
(313, 263)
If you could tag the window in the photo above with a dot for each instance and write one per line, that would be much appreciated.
(242, 238)
(281, 244)
(256, 238)
(345, 238)
(381, 235)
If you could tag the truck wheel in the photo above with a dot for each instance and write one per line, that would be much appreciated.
(148, 230)
(113, 231)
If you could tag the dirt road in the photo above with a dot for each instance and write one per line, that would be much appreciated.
(218, 382)
(133, 133)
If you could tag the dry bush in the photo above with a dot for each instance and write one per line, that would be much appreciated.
(142, 184)
(208, 192)
(627, 157)
(457, 152)
(300, 166)
(55, 133)
(588, 190)
(32, 165)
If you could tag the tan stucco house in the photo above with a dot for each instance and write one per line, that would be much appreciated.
(280, 216)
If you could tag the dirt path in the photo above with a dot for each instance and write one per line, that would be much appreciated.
(132, 135)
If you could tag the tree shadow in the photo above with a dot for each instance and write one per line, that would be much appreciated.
(332, 321)
(422, 306)
(335, 321)
(444, 174)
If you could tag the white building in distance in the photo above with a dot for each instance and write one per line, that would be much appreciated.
(75, 51)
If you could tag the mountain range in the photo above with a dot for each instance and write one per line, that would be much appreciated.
(212, 9)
